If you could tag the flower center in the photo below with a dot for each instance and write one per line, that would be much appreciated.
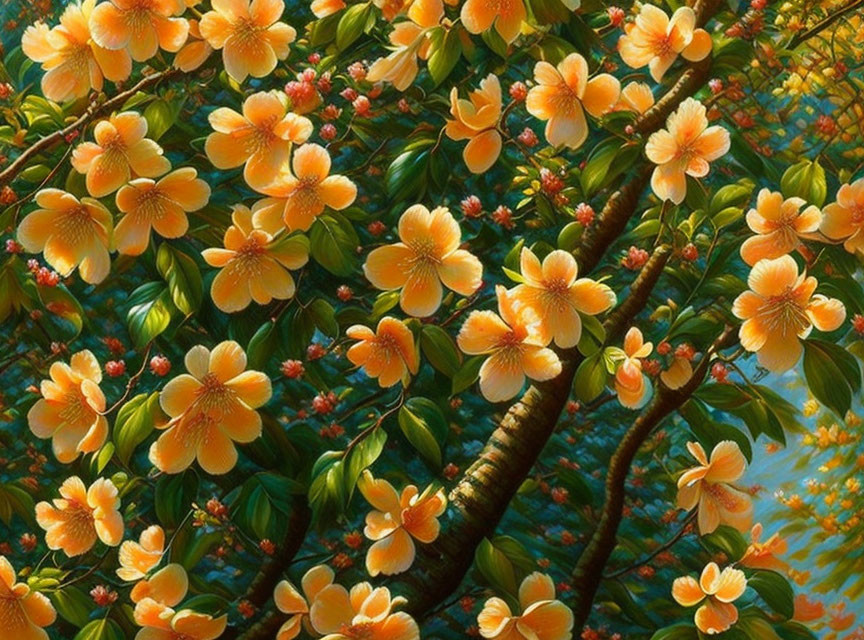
(663, 45)
(719, 495)
(425, 254)
(858, 214)
(151, 204)
(75, 225)
(784, 314)
(12, 616)
(360, 631)
(247, 34)
(79, 520)
(214, 395)
(75, 410)
(248, 259)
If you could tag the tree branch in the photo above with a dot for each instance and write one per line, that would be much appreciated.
(588, 574)
(823, 24)
(94, 110)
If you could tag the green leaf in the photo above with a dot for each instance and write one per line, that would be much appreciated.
(160, 116)
(425, 427)
(599, 162)
(352, 24)
(61, 303)
(446, 49)
(183, 277)
(327, 495)
(406, 175)
(135, 421)
(324, 316)
(383, 303)
(590, 379)
(775, 591)
(728, 540)
(174, 497)
(440, 350)
(363, 456)
(495, 567)
(832, 374)
(103, 629)
(262, 346)
(467, 374)
(676, 632)
(202, 544)
(333, 243)
(806, 180)
(150, 312)
(731, 195)
(568, 238)
(73, 605)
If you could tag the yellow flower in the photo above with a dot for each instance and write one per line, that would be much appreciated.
(514, 343)
(684, 148)
(476, 120)
(778, 224)
(427, 257)
(708, 486)
(554, 293)
(397, 521)
(70, 233)
(780, 310)
(563, 94)
(716, 590)
(254, 265)
(542, 615)
(74, 522)
(389, 353)
(23, 612)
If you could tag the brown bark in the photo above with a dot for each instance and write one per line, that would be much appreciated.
(588, 573)
(260, 590)
(483, 494)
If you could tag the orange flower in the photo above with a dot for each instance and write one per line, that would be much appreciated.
(684, 149)
(507, 15)
(120, 153)
(557, 297)
(141, 26)
(397, 521)
(655, 40)
(23, 612)
(844, 219)
(635, 96)
(678, 374)
(708, 486)
(388, 353)
(562, 95)
(779, 309)
(69, 411)
(74, 63)
(70, 232)
(195, 52)
(514, 343)
(249, 34)
(427, 256)
(138, 558)
(168, 586)
(159, 205)
(364, 614)
(542, 615)
(297, 200)
(838, 618)
(476, 120)
(807, 610)
(718, 589)
(75, 521)
(254, 265)
(163, 623)
(211, 407)
(778, 224)
(630, 383)
(324, 8)
(411, 41)
(261, 138)
(763, 555)
(290, 601)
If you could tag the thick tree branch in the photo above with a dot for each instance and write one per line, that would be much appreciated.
(94, 110)
(261, 588)
(823, 24)
(484, 492)
(588, 573)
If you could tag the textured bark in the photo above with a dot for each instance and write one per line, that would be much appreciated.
(588, 573)
(261, 588)
(483, 494)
